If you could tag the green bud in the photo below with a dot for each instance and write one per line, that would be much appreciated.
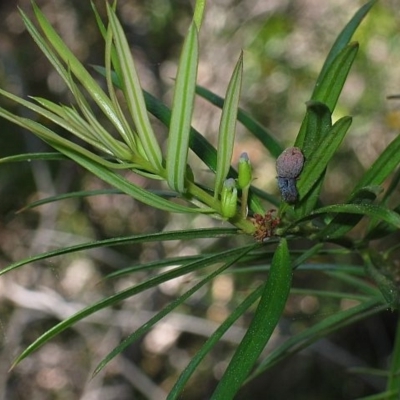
(245, 171)
(229, 198)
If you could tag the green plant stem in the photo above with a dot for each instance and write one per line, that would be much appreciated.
(245, 198)
(242, 223)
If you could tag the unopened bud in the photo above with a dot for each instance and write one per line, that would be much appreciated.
(245, 173)
(229, 198)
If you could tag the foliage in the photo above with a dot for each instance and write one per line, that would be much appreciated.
(134, 146)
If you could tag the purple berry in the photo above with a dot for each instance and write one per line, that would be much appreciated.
(287, 187)
(288, 166)
(290, 163)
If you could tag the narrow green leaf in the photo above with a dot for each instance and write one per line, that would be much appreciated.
(111, 58)
(205, 151)
(59, 143)
(260, 132)
(119, 182)
(179, 386)
(267, 315)
(382, 272)
(327, 90)
(91, 131)
(383, 166)
(118, 297)
(329, 87)
(318, 124)
(166, 310)
(132, 239)
(94, 125)
(329, 294)
(111, 53)
(133, 93)
(227, 128)
(182, 109)
(181, 260)
(99, 21)
(71, 121)
(358, 283)
(380, 229)
(201, 147)
(315, 166)
(199, 13)
(344, 37)
(340, 224)
(168, 262)
(69, 195)
(304, 256)
(371, 210)
(392, 188)
(88, 193)
(328, 68)
(321, 329)
(33, 157)
(83, 76)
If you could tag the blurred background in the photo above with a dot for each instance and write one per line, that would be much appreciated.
(285, 44)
